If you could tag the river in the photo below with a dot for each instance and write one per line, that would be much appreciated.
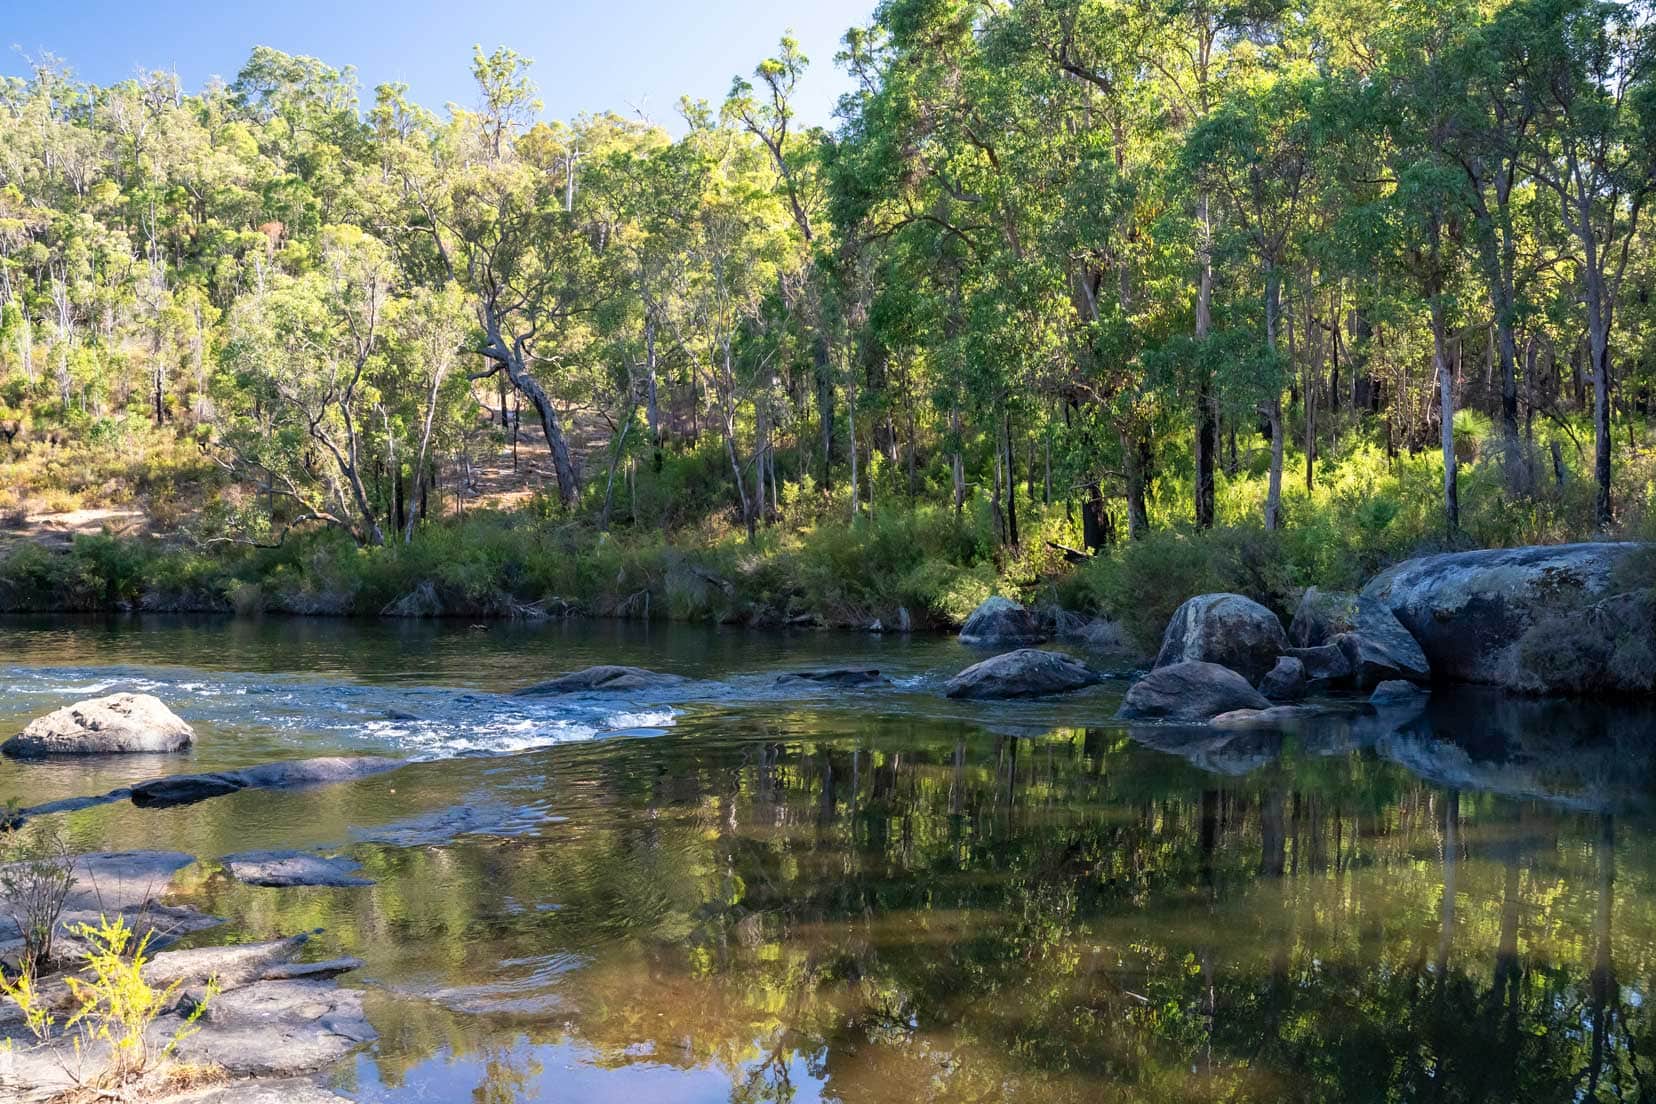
(739, 891)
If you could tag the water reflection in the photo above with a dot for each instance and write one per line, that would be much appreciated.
(897, 910)
(894, 899)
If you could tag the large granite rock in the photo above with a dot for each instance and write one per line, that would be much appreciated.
(115, 725)
(1190, 691)
(1000, 622)
(1026, 673)
(1556, 619)
(1226, 629)
(606, 678)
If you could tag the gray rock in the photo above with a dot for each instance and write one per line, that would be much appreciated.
(1375, 660)
(1098, 634)
(275, 1029)
(602, 679)
(1286, 681)
(186, 789)
(1025, 673)
(1000, 622)
(1510, 617)
(234, 966)
(837, 676)
(1322, 615)
(1395, 691)
(1277, 716)
(293, 868)
(1190, 691)
(325, 968)
(118, 724)
(1226, 629)
(1326, 666)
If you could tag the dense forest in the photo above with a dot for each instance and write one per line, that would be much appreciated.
(1194, 295)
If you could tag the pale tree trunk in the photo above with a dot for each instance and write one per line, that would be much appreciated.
(652, 409)
(1207, 419)
(1446, 402)
(851, 415)
(957, 465)
(1273, 408)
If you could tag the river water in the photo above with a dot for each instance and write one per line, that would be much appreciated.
(736, 891)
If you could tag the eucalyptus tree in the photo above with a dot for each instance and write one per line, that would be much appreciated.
(768, 114)
(1254, 151)
(1590, 66)
(501, 231)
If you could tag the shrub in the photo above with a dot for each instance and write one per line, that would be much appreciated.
(34, 884)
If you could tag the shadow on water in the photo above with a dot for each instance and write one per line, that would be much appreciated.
(876, 899)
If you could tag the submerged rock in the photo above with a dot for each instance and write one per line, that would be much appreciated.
(1025, 673)
(118, 724)
(1000, 622)
(605, 678)
(1529, 619)
(1226, 629)
(1277, 716)
(1395, 691)
(1286, 681)
(1190, 691)
(186, 789)
(837, 676)
(293, 868)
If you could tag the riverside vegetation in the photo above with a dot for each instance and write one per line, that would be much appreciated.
(1102, 304)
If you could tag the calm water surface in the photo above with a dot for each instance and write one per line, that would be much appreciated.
(739, 892)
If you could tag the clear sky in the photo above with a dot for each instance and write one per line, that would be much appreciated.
(589, 55)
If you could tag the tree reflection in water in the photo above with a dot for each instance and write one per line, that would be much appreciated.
(816, 906)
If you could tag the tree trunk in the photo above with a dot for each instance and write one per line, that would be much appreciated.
(1207, 414)
(1011, 485)
(652, 408)
(1273, 409)
(1135, 458)
(1446, 404)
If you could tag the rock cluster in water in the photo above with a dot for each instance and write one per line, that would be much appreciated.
(1567, 620)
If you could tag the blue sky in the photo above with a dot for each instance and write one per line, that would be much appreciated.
(589, 55)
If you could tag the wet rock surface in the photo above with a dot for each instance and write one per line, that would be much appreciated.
(835, 676)
(1025, 673)
(119, 724)
(605, 678)
(293, 868)
(1191, 691)
(184, 789)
